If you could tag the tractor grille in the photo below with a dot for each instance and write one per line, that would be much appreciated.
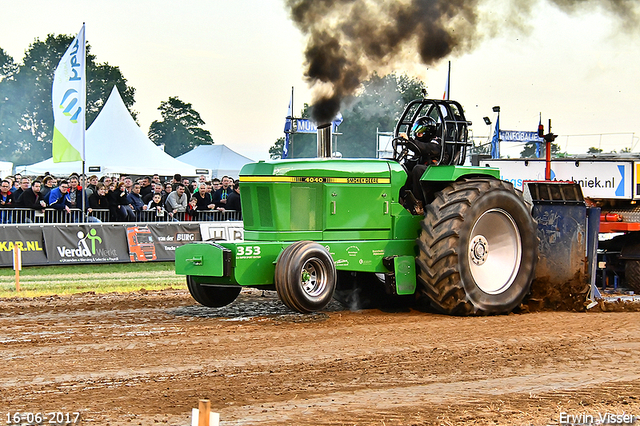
(264, 207)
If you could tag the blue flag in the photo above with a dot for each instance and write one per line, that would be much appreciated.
(287, 128)
(540, 131)
(338, 120)
(495, 142)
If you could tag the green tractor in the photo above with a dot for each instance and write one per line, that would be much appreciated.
(363, 231)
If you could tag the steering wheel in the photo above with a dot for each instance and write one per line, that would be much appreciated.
(404, 149)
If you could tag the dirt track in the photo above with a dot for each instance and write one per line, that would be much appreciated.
(147, 358)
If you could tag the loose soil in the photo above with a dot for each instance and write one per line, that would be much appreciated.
(146, 358)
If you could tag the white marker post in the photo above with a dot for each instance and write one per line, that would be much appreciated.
(17, 265)
(202, 416)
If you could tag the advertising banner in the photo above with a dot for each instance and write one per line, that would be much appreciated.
(304, 125)
(68, 97)
(28, 239)
(222, 231)
(519, 136)
(159, 241)
(85, 244)
(102, 243)
(598, 179)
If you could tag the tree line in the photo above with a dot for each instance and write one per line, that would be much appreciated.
(26, 117)
(376, 107)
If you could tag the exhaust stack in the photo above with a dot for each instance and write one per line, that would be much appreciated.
(324, 141)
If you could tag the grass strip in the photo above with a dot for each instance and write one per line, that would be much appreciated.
(104, 278)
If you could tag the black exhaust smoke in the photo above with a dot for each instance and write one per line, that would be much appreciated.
(349, 39)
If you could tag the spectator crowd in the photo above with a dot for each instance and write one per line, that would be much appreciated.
(118, 199)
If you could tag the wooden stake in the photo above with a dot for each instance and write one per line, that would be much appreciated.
(204, 410)
(17, 265)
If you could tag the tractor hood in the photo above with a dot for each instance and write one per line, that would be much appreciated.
(307, 198)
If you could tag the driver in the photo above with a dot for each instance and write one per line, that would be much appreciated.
(423, 135)
(423, 132)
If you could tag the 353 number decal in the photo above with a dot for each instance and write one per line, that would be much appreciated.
(248, 251)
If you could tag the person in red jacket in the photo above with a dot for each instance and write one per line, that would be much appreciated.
(6, 201)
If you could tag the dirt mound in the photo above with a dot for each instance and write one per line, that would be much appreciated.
(548, 295)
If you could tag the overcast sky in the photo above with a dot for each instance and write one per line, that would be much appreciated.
(236, 62)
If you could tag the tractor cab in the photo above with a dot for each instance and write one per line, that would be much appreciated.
(452, 131)
(430, 132)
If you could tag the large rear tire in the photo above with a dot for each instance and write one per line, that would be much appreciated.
(305, 277)
(478, 248)
(212, 296)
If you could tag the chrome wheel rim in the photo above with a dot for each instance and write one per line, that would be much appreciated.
(314, 277)
(495, 251)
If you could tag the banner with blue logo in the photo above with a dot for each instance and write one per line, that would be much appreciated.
(519, 136)
(68, 98)
(85, 244)
(305, 125)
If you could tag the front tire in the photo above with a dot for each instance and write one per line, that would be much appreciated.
(212, 296)
(305, 277)
(478, 248)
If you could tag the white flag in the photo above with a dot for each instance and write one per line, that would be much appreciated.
(68, 96)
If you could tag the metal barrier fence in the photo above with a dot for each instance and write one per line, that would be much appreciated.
(23, 215)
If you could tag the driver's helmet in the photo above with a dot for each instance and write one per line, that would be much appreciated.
(424, 129)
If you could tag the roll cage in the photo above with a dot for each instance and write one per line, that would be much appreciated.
(452, 128)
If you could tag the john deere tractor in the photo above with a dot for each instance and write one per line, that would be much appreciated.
(352, 229)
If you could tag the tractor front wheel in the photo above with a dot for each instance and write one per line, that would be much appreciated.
(212, 296)
(478, 248)
(305, 277)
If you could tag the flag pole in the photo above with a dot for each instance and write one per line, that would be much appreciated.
(84, 127)
(291, 134)
(449, 82)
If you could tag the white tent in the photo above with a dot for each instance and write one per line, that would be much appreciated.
(5, 168)
(114, 144)
(222, 160)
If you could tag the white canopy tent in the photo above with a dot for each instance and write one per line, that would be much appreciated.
(222, 161)
(5, 168)
(114, 144)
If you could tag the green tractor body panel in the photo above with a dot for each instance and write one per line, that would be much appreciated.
(349, 206)
(404, 268)
(252, 263)
(453, 173)
(321, 200)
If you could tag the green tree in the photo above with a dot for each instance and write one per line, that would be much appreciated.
(594, 150)
(480, 147)
(275, 152)
(529, 150)
(377, 106)
(8, 94)
(28, 130)
(179, 129)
